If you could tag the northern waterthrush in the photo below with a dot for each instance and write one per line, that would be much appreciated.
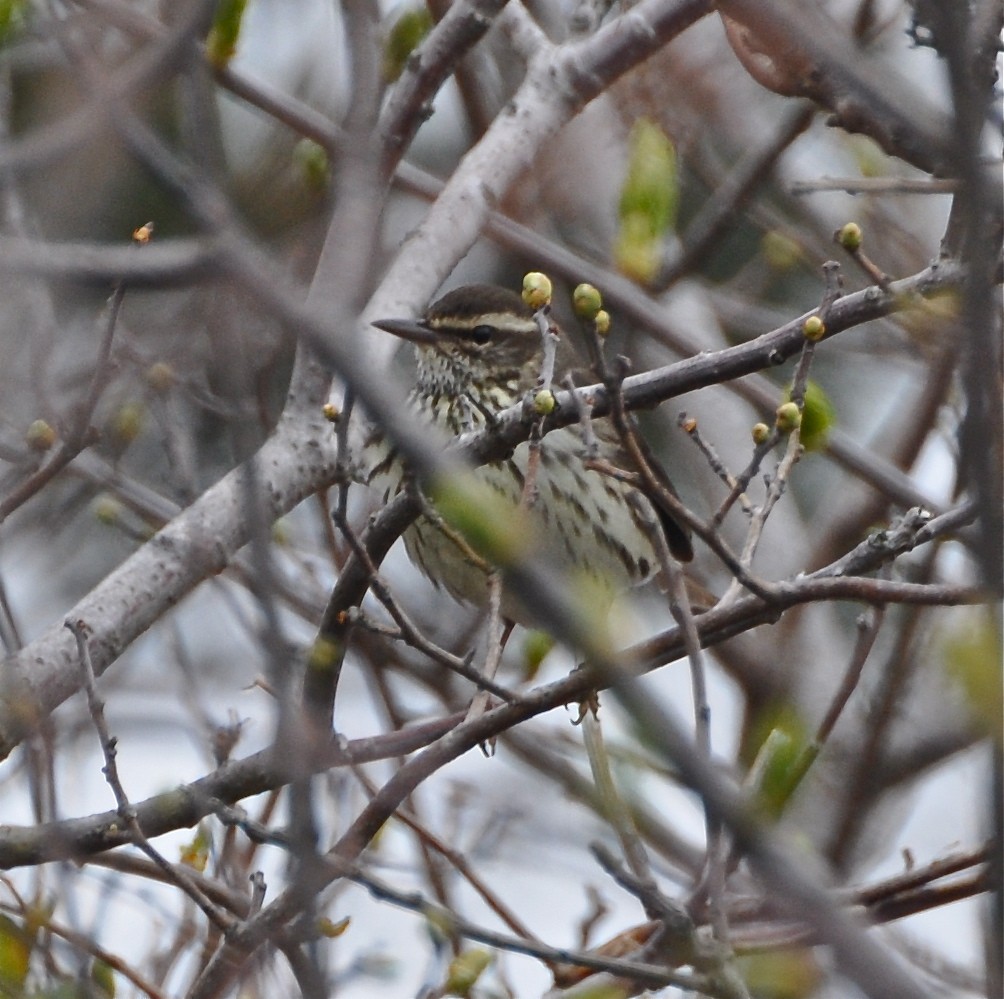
(479, 351)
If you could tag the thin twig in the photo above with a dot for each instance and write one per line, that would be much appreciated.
(127, 813)
(549, 339)
(407, 630)
(583, 406)
(614, 809)
(875, 185)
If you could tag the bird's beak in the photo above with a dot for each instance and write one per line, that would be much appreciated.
(414, 330)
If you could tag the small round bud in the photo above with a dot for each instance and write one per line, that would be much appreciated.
(760, 433)
(331, 412)
(544, 402)
(312, 159)
(587, 302)
(788, 417)
(127, 423)
(107, 510)
(160, 376)
(143, 234)
(688, 425)
(849, 236)
(40, 436)
(536, 290)
(602, 322)
(814, 328)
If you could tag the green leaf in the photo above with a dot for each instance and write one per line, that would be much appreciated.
(648, 202)
(12, 18)
(972, 657)
(489, 524)
(15, 956)
(818, 416)
(782, 974)
(465, 970)
(102, 980)
(405, 35)
(780, 251)
(221, 45)
(536, 646)
(782, 760)
(651, 187)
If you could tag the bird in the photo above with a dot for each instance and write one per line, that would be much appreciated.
(479, 351)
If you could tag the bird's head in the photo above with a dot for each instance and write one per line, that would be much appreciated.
(476, 337)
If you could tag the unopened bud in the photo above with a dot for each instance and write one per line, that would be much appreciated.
(587, 302)
(127, 422)
(788, 417)
(312, 160)
(143, 234)
(849, 236)
(107, 510)
(602, 322)
(331, 412)
(814, 328)
(760, 433)
(40, 436)
(536, 290)
(160, 376)
(544, 402)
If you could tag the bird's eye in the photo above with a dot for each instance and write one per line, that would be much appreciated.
(482, 334)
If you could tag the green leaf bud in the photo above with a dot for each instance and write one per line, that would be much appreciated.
(39, 436)
(160, 376)
(127, 422)
(788, 417)
(536, 290)
(602, 322)
(107, 510)
(814, 328)
(312, 159)
(849, 236)
(760, 433)
(587, 302)
(544, 402)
